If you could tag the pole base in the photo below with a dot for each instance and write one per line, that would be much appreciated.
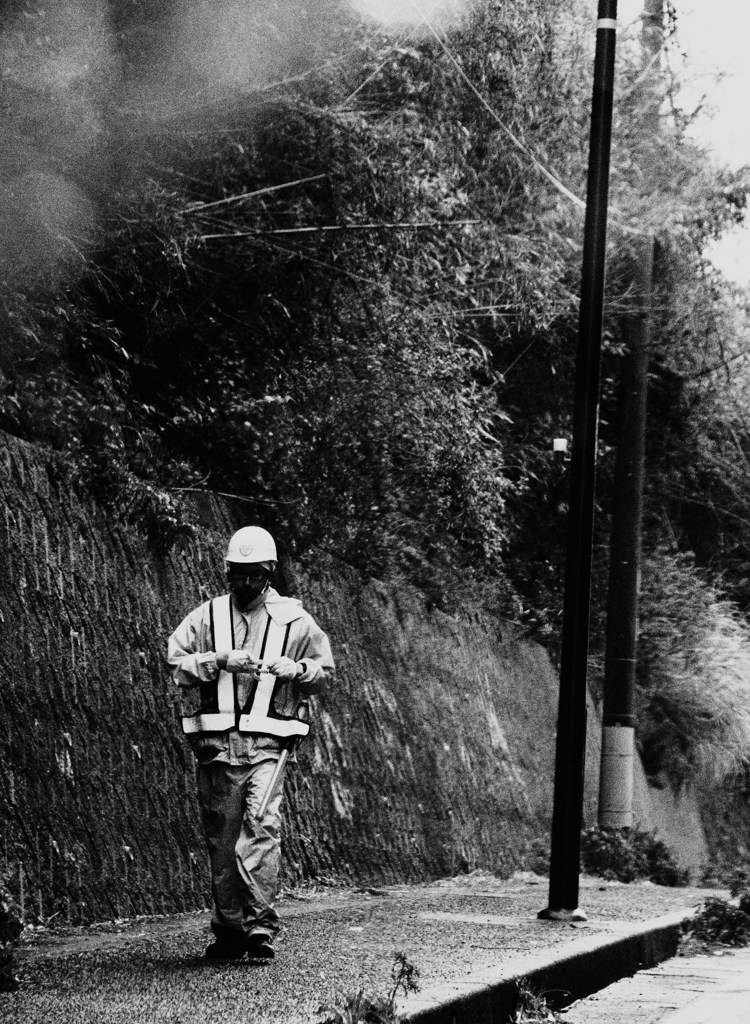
(549, 914)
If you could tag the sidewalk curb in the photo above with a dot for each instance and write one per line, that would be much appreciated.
(575, 970)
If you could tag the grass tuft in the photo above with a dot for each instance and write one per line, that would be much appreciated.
(361, 1007)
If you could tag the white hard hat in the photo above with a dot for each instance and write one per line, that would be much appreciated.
(251, 544)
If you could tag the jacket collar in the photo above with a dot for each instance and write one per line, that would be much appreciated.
(281, 609)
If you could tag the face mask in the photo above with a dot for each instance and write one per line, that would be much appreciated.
(247, 584)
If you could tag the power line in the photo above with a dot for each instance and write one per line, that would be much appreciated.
(328, 228)
(546, 173)
(242, 196)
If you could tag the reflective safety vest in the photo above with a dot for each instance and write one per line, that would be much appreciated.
(221, 709)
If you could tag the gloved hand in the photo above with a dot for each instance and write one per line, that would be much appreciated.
(284, 668)
(237, 661)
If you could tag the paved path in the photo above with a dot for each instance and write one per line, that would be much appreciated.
(471, 938)
(706, 989)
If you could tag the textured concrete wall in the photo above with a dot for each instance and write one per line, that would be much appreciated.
(96, 787)
(432, 754)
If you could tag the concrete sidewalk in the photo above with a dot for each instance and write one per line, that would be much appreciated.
(712, 988)
(472, 938)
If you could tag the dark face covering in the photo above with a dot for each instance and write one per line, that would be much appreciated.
(246, 582)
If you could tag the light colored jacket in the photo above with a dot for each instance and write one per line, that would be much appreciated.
(192, 661)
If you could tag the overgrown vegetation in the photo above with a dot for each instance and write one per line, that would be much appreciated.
(629, 855)
(361, 1007)
(10, 930)
(722, 922)
(694, 676)
(297, 257)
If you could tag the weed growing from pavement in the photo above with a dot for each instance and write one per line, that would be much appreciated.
(625, 855)
(531, 1007)
(722, 922)
(360, 1007)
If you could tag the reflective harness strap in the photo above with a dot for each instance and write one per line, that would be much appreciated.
(222, 636)
(259, 715)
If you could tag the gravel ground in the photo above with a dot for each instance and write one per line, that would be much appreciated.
(333, 940)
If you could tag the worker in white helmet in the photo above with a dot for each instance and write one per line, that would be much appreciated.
(253, 657)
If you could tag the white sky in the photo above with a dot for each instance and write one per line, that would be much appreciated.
(714, 36)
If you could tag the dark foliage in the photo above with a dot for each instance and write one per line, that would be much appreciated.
(721, 922)
(11, 927)
(627, 855)
(332, 269)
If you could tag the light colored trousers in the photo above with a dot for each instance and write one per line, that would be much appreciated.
(245, 854)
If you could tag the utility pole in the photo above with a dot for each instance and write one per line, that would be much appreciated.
(618, 723)
(570, 752)
(618, 718)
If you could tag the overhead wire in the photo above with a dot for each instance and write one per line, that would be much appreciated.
(545, 172)
(259, 234)
(241, 196)
(550, 176)
(328, 228)
(372, 75)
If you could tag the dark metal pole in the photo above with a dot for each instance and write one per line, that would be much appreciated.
(571, 723)
(618, 715)
(618, 718)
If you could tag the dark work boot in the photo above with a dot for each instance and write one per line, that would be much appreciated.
(226, 949)
(260, 946)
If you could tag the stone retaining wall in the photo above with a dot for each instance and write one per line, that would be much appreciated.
(433, 754)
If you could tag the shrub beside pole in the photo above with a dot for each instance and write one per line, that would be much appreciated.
(570, 753)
